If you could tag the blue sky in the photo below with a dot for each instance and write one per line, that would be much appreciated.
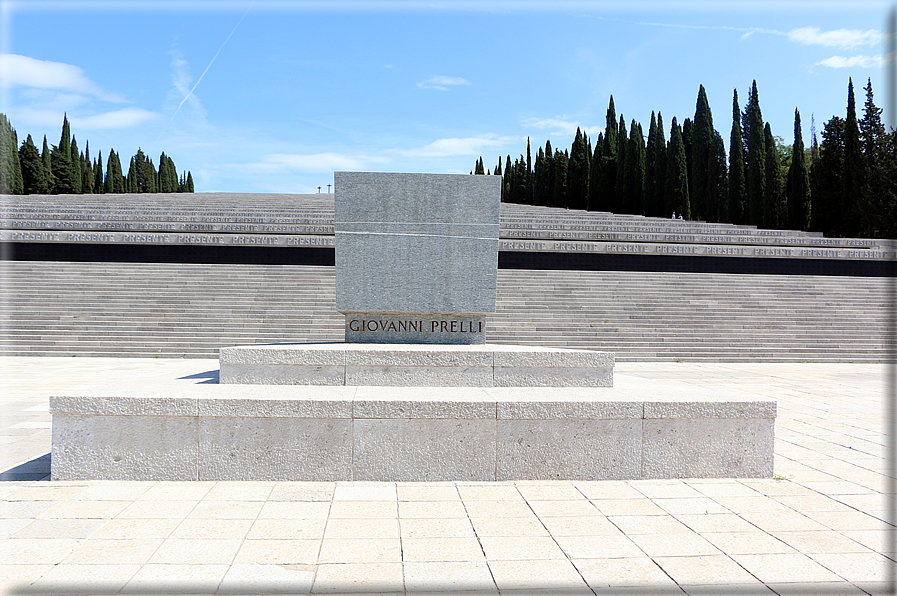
(275, 95)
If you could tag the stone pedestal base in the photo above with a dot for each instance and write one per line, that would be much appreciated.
(266, 432)
(415, 365)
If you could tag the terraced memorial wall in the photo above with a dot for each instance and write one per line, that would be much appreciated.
(184, 275)
(299, 229)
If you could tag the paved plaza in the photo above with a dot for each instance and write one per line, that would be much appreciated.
(817, 527)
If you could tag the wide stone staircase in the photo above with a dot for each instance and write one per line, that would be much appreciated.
(191, 310)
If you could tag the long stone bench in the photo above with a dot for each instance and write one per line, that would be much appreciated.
(276, 432)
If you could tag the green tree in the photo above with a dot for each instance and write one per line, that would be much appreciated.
(756, 161)
(736, 192)
(115, 180)
(559, 197)
(479, 171)
(11, 181)
(687, 141)
(189, 185)
(774, 199)
(719, 189)
(703, 170)
(878, 203)
(547, 184)
(46, 159)
(529, 174)
(650, 205)
(797, 188)
(131, 181)
(854, 180)
(578, 173)
(86, 171)
(76, 166)
(660, 169)
(595, 174)
(635, 169)
(827, 180)
(607, 176)
(34, 177)
(619, 203)
(63, 173)
(99, 186)
(65, 140)
(677, 174)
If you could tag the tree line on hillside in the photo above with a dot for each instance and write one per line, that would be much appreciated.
(845, 186)
(64, 169)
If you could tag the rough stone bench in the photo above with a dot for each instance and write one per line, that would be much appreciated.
(280, 432)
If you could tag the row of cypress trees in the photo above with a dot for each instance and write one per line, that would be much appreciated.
(763, 182)
(64, 169)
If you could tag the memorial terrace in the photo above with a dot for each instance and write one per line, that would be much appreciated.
(182, 275)
(268, 228)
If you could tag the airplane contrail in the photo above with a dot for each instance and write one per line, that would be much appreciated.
(186, 97)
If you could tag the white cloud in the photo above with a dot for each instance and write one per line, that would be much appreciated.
(181, 93)
(22, 71)
(560, 126)
(852, 61)
(313, 163)
(441, 83)
(118, 119)
(461, 146)
(841, 38)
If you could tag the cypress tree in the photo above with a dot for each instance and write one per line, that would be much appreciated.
(65, 140)
(497, 168)
(86, 171)
(578, 174)
(11, 180)
(45, 158)
(854, 173)
(677, 174)
(718, 200)
(189, 182)
(518, 192)
(620, 202)
(131, 184)
(479, 171)
(827, 180)
(660, 169)
(559, 198)
(99, 186)
(635, 169)
(548, 183)
(63, 173)
(595, 174)
(538, 177)
(529, 174)
(34, 177)
(172, 175)
(76, 167)
(773, 203)
(704, 183)
(756, 161)
(686, 140)
(607, 182)
(650, 159)
(797, 187)
(878, 203)
(737, 211)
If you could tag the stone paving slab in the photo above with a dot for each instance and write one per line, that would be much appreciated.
(816, 527)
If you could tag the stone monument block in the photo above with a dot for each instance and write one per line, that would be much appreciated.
(416, 256)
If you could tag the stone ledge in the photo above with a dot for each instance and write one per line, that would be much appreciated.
(415, 365)
(239, 432)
